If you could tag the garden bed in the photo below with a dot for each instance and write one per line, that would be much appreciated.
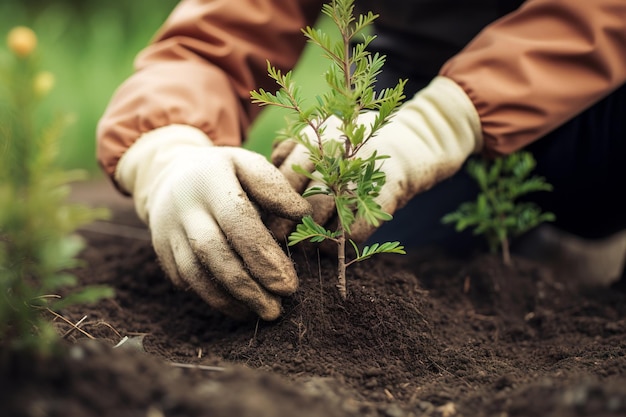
(420, 335)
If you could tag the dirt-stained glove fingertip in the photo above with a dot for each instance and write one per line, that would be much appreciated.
(295, 211)
(270, 312)
(281, 151)
(301, 209)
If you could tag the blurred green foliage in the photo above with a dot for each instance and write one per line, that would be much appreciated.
(38, 243)
(90, 47)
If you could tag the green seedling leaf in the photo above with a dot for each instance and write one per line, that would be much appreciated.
(345, 210)
(371, 211)
(299, 170)
(316, 191)
(388, 247)
(309, 230)
(376, 248)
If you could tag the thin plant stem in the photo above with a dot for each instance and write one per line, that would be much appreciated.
(341, 262)
(506, 252)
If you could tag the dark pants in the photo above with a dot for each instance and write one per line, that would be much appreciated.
(585, 161)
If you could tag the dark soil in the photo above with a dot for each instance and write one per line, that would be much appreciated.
(421, 335)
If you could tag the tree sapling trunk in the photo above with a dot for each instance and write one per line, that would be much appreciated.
(353, 182)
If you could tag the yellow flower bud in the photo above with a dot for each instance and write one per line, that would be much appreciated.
(43, 83)
(22, 41)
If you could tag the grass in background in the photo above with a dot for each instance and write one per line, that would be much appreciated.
(90, 47)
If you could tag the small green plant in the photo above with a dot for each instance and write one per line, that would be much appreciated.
(37, 240)
(497, 214)
(352, 181)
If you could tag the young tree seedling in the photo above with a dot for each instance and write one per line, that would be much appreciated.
(497, 214)
(353, 182)
(37, 240)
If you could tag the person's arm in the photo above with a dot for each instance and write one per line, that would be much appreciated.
(540, 66)
(200, 68)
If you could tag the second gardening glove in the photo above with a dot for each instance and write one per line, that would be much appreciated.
(427, 140)
(201, 203)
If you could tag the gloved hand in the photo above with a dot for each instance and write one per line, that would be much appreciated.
(201, 203)
(427, 140)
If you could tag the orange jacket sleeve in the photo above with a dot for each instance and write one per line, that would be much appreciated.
(200, 68)
(540, 66)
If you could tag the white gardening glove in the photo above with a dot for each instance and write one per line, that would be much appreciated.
(201, 203)
(427, 140)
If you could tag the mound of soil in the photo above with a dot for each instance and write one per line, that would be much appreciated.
(425, 335)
